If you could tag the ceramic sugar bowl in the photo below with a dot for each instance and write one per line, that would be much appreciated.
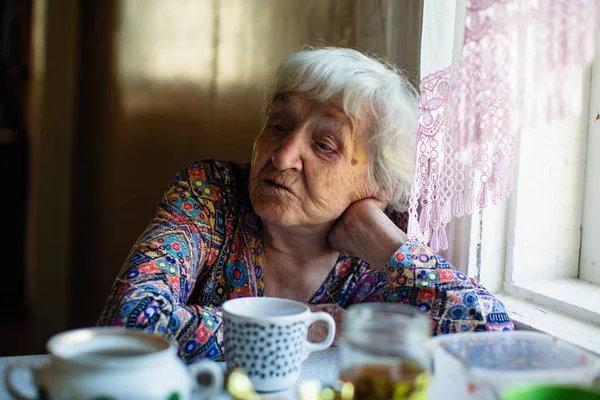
(119, 364)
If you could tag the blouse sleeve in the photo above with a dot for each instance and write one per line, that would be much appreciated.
(154, 284)
(456, 303)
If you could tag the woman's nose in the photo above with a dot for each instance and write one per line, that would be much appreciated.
(289, 154)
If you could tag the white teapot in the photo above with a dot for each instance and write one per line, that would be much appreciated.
(116, 364)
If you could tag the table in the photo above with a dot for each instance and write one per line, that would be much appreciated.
(320, 365)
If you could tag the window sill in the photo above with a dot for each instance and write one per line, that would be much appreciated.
(573, 297)
(529, 314)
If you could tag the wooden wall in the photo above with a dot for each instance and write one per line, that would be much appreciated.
(164, 83)
(152, 85)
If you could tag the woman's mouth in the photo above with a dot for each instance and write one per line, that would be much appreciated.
(275, 186)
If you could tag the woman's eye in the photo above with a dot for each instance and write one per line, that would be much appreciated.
(324, 146)
(277, 128)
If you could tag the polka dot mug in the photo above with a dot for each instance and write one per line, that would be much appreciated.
(267, 338)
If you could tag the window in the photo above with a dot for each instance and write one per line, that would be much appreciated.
(542, 244)
(538, 250)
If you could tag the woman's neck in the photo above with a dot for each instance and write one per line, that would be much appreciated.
(296, 261)
(302, 244)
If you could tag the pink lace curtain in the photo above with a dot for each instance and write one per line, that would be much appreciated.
(521, 62)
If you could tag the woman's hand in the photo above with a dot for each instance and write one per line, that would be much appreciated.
(317, 332)
(363, 230)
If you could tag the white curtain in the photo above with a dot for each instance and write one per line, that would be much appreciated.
(441, 44)
(475, 99)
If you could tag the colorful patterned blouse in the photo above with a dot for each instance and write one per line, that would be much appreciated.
(204, 247)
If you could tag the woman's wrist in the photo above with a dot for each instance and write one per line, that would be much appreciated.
(391, 239)
(365, 231)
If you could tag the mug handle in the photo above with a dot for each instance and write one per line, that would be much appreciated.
(9, 384)
(321, 316)
(216, 373)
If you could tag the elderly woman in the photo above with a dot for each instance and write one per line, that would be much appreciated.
(306, 220)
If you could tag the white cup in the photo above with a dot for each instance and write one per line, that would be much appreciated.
(115, 363)
(267, 338)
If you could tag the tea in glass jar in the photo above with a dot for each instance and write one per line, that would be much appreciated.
(384, 352)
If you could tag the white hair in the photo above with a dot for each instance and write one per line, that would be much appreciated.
(359, 83)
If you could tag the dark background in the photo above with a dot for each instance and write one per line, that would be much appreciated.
(103, 101)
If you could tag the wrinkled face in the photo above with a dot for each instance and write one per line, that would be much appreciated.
(309, 163)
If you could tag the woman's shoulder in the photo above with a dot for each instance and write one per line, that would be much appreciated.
(220, 182)
(216, 172)
(208, 175)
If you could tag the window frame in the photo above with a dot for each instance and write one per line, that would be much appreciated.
(589, 263)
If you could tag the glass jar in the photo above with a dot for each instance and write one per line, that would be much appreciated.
(384, 352)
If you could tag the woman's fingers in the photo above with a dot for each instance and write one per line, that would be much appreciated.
(317, 332)
(365, 231)
(380, 202)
